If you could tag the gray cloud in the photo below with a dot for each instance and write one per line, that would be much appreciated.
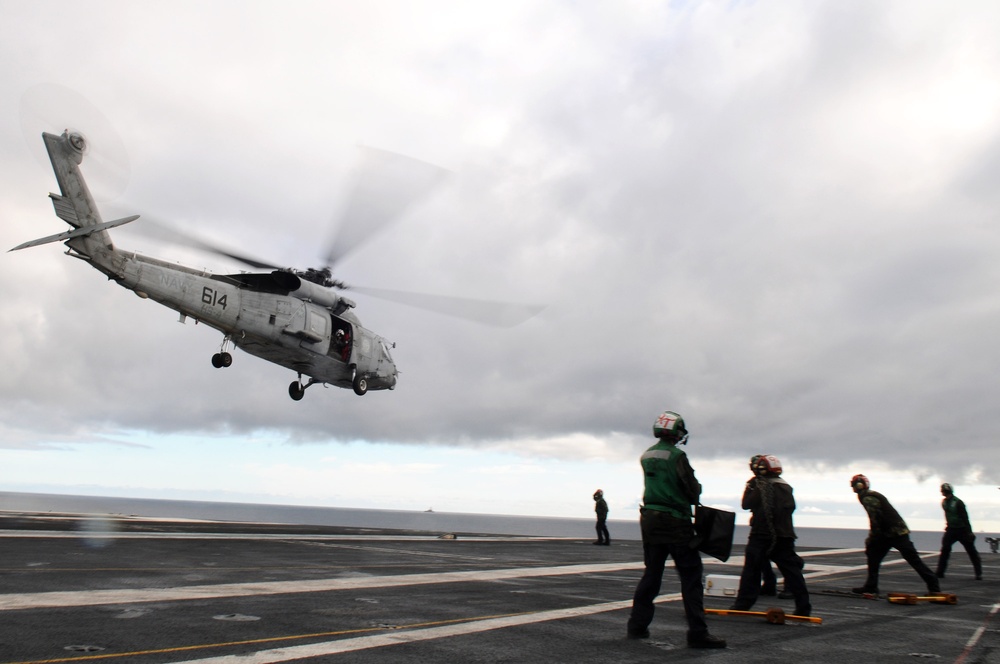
(775, 220)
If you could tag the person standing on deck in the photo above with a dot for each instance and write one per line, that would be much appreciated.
(957, 528)
(667, 531)
(772, 536)
(601, 508)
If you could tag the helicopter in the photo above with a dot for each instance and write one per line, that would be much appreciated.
(297, 319)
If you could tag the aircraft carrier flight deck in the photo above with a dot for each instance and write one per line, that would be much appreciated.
(79, 588)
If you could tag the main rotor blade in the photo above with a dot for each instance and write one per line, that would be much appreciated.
(162, 231)
(385, 186)
(487, 312)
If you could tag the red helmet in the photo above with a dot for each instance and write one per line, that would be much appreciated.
(765, 464)
(860, 483)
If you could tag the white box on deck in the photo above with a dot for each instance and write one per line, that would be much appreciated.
(722, 585)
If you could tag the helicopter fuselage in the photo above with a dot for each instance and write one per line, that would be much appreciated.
(262, 315)
(277, 316)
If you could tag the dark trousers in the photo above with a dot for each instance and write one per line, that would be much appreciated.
(769, 582)
(876, 549)
(603, 536)
(968, 540)
(756, 557)
(687, 561)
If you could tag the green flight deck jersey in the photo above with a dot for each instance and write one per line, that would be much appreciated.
(671, 486)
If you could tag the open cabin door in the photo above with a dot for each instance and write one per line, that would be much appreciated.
(341, 340)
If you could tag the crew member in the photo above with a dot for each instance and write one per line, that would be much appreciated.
(772, 536)
(957, 528)
(665, 519)
(769, 582)
(601, 508)
(887, 531)
(342, 340)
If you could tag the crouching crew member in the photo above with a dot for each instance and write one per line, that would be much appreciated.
(887, 531)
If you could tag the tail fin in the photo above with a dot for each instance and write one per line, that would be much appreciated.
(74, 204)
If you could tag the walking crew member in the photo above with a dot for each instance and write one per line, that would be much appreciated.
(888, 531)
(670, 490)
(601, 508)
(957, 529)
(772, 536)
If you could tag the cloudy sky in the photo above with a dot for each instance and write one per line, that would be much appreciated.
(776, 218)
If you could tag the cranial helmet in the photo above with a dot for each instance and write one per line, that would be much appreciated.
(860, 483)
(946, 488)
(670, 426)
(765, 464)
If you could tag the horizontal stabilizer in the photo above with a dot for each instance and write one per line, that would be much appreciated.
(79, 232)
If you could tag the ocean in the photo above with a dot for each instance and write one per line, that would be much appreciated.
(435, 522)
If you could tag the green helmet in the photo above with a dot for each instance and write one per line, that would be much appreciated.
(670, 426)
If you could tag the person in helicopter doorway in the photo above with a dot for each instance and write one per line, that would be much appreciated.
(342, 341)
(957, 529)
(772, 536)
(601, 508)
(667, 531)
(887, 531)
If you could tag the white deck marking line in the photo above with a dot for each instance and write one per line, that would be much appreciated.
(12, 602)
(383, 549)
(818, 570)
(374, 641)
(213, 591)
(286, 654)
(973, 641)
(827, 552)
(62, 534)
(413, 636)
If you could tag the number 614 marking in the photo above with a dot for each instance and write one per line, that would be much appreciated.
(212, 297)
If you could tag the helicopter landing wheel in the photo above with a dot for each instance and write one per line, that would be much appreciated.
(296, 391)
(222, 360)
(360, 385)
